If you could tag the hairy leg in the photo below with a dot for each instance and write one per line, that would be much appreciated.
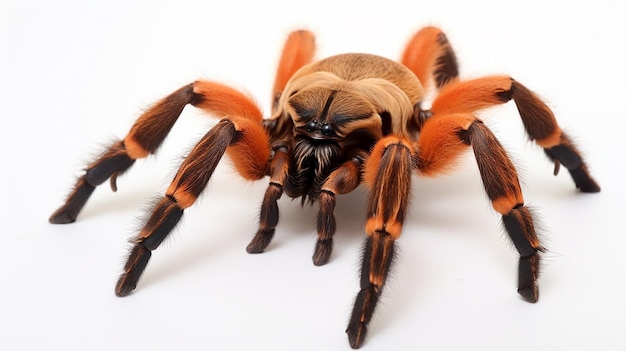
(341, 181)
(298, 50)
(443, 138)
(388, 173)
(148, 133)
(239, 135)
(268, 217)
(430, 56)
(538, 119)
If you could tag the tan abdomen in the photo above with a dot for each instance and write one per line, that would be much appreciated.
(362, 66)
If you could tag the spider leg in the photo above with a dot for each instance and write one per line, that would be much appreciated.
(268, 218)
(430, 56)
(148, 133)
(298, 50)
(144, 138)
(388, 173)
(246, 143)
(503, 189)
(437, 149)
(341, 181)
(537, 118)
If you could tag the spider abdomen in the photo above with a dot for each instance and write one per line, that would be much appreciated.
(354, 67)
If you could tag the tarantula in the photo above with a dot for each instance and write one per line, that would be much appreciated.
(337, 123)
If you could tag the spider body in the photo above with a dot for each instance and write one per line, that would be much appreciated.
(329, 119)
(337, 123)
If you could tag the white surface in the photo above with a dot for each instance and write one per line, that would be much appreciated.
(76, 74)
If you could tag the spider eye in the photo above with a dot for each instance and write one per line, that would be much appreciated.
(311, 126)
(327, 129)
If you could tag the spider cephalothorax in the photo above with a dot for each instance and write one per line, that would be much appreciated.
(340, 107)
(337, 123)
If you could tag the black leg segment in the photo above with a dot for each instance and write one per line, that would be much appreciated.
(110, 164)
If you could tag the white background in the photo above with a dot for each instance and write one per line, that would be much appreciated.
(75, 74)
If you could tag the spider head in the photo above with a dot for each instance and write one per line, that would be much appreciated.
(327, 108)
(328, 111)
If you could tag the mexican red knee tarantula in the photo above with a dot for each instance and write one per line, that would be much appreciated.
(337, 123)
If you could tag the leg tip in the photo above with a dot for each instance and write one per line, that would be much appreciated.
(253, 249)
(320, 261)
(356, 334)
(124, 287)
(135, 265)
(61, 216)
(260, 241)
(530, 294)
(589, 187)
(323, 250)
(584, 182)
(256, 247)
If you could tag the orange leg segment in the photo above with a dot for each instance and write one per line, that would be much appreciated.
(431, 57)
(388, 173)
(439, 144)
(298, 50)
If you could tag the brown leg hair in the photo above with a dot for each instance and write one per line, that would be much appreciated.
(239, 133)
(268, 218)
(144, 138)
(499, 179)
(537, 118)
(298, 51)
(341, 181)
(148, 133)
(503, 189)
(388, 173)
